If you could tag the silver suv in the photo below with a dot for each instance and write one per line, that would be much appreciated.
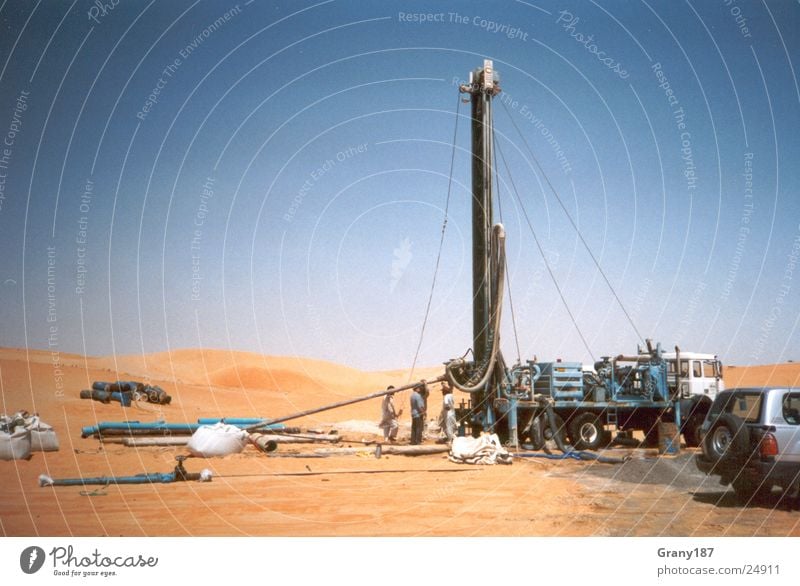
(751, 440)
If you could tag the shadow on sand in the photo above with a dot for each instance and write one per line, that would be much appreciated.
(729, 500)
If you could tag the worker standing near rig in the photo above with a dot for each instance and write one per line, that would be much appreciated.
(448, 412)
(389, 417)
(418, 412)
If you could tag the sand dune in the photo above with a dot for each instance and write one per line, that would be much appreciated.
(214, 383)
(787, 375)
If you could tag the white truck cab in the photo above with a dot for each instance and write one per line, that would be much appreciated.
(700, 374)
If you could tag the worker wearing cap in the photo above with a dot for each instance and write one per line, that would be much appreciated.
(418, 412)
(389, 417)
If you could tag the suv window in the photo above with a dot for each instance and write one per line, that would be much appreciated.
(791, 408)
(744, 405)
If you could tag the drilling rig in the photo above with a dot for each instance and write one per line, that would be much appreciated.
(533, 401)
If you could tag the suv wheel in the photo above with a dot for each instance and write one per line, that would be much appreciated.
(728, 438)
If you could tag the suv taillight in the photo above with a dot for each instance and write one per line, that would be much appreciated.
(768, 446)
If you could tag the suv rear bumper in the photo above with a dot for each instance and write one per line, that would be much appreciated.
(783, 474)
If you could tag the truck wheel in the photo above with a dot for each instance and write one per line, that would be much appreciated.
(586, 432)
(691, 431)
(727, 439)
(536, 433)
(651, 436)
(560, 427)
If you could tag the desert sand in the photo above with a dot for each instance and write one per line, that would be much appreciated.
(258, 494)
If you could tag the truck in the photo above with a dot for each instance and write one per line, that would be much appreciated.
(658, 393)
(623, 394)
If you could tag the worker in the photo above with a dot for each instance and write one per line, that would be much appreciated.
(418, 412)
(389, 417)
(448, 416)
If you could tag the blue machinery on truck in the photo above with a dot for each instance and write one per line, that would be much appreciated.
(535, 400)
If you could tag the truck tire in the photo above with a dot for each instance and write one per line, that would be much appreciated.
(727, 439)
(651, 436)
(560, 427)
(536, 433)
(691, 431)
(586, 432)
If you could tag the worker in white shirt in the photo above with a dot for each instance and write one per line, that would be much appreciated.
(389, 417)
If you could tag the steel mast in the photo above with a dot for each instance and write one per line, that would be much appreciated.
(482, 87)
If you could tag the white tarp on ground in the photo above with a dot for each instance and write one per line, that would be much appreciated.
(485, 449)
(217, 441)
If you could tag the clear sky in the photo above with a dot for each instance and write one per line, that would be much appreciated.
(272, 176)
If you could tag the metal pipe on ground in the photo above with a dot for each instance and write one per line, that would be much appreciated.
(386, 450)
(162, 427)
(299, 439)
(178, 474)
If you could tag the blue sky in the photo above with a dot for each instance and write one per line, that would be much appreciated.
(272, 176)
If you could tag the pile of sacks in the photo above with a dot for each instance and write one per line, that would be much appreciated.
(23, 433)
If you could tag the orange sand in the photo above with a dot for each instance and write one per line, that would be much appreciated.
(254, 494)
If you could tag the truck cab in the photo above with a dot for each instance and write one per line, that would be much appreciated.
(700, 374)
(696, 379)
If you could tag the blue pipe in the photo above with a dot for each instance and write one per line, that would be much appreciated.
(148, 478)
(512, 421)
(234, 421)
(573, 455)
(174, 427)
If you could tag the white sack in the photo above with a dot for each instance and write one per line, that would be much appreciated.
(15, 445)
(43, 436)
(217, 441)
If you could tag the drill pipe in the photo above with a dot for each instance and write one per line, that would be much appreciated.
(341, 404)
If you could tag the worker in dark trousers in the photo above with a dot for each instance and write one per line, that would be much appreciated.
(418, 413)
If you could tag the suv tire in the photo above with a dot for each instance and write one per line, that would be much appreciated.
(727, 439)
